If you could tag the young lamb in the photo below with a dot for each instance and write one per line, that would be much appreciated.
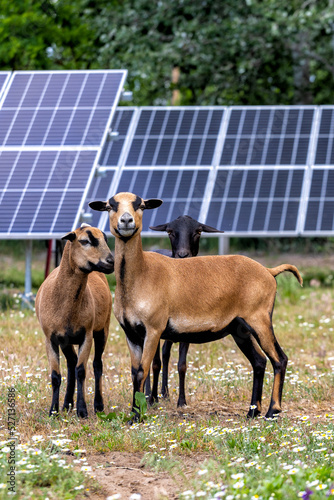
(73, 306)
(192, 300)
(184, 234)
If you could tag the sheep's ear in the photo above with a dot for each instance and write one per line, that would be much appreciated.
(100, 206)
(209, 229)
(162, 227)
(69, 236)
(152, 203)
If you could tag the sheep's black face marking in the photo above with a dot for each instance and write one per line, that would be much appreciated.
(113, 204)
(138, 203)
(93, 241)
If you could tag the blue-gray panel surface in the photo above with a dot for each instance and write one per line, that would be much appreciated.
(42, 190)
(269, 136)
(175, 137)
(58, 108)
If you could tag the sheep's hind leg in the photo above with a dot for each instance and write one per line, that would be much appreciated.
(156, 367)
(166, 348)
(52, 350)
(99, 342)
(71, 358)
(248, 345)
(263, 332)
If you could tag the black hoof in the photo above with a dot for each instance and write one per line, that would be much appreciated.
(82, 411)
(68, 406)
(181, 402)
(253, 413)
(98, 407)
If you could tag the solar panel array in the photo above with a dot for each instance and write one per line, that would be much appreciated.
(53, 125)
(247, 170)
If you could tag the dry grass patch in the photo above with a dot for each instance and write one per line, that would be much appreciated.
(178, 451)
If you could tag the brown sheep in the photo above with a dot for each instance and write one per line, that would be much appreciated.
(193, 300)
(73, 306)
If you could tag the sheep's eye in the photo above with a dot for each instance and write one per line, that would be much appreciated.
(142, 207)
(84, 242)
(198, 233)
(170, 233)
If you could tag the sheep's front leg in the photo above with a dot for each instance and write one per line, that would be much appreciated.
(71, 358)
(52, 350)
(141, 359)
(80, 374)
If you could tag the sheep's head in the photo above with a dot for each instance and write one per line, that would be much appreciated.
(89, 250)
(125, 213)
(184, 234)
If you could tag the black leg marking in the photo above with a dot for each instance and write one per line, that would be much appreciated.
(80, 375)
(156, 367)
(148, 384)
(166, 348)
(72, 360)
(55, 381)
(137, 377)
(99, 341)
(182, 368)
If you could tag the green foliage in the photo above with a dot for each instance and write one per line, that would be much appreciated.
(141, 406)
(249, 52)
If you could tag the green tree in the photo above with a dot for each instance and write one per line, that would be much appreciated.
(45, 34)
(247, 52)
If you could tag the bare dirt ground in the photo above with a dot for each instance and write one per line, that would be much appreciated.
(124, 473)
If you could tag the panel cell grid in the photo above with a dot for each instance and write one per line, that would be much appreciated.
(256, 200)
(182, 192)
(270, 136)
(56, 108)
(177, 136)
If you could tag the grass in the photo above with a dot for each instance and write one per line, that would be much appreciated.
(208, 447)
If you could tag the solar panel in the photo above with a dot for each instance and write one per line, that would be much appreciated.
(268, 136)
(256, 201)
(52, 128)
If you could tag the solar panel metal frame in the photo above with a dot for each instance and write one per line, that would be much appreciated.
(311, 172)
(81, 148)
(6, 75)
(131, 132)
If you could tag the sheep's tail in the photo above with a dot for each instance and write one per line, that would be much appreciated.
(274, 271)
